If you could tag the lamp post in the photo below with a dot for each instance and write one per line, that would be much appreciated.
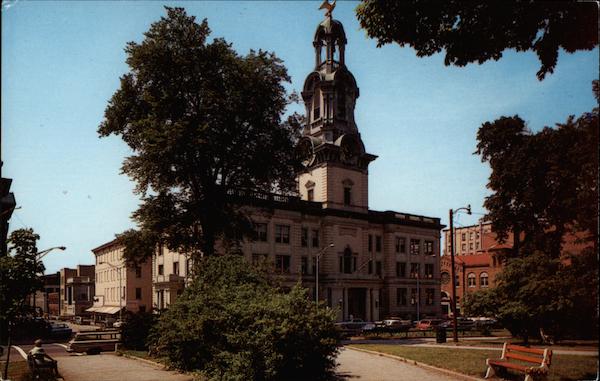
(39, 256)
(453, 276)
(118, 268)
(321, 252)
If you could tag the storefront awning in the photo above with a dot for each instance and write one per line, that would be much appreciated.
(104, 310)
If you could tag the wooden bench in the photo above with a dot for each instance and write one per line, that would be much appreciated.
(514, 355)
(41, 368)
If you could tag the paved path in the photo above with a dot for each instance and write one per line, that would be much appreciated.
(356, 365)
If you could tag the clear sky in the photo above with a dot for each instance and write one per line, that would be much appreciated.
(61, 63)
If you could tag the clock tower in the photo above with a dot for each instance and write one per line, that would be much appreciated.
(335, 163)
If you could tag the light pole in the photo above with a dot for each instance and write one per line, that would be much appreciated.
(453, 272)
(118, 268)
(321, 252)
(39, 256)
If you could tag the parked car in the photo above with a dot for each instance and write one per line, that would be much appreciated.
(397, 325)
(118, 324)
(463, 323)
(59, 331)
(351, 327)
(94, 342)
(428, 324)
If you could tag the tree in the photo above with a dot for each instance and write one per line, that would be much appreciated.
(19, 278)
(470, 32)
(538, 293)
(233, 323)
(202, 121)
(544, 184)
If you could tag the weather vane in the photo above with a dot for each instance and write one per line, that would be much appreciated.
(328, 6)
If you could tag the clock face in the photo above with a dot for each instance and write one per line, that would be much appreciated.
(445, 279)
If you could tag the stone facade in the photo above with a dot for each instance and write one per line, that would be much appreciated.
(119, 286)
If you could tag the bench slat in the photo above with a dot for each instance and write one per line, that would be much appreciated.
(511, 365)
(518, 356)
(519, 348)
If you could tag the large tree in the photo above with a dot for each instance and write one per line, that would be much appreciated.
(19, 278)
(480, 31)
(543, 184)
(202, 121)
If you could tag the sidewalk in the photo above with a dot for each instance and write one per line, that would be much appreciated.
(358, 365)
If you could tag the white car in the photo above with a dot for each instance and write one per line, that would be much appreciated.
(118, 324)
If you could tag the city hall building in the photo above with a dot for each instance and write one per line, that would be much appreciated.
(371, 264)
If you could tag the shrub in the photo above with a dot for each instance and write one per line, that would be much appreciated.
(231, 323)
(136, 330)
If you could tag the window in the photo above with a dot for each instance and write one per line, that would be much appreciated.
(378, 268)
(258, 259)
(138, 271)
(370, 266)
(370, 243)
(483, 280)
(138, 293)
(304, 237)
(471, 280)
(347, 195)
(429, 294)
(282, 263)
(400, 296)
(400, 245)
(176, 268)
(471, 235)
(282, 234)
(463, 236)
(415, 246)
(304, 265)
(464, 247)
(348, 262)
(311, 195)
(477, 245)
(414, 270)
(471, 246)
(378, 243)
(428, 248)
(413, 296)
(429, 270)
(315, 238)
(456, 282)
(317, 105)
(260, 232)
(161, 270)
(401, 269)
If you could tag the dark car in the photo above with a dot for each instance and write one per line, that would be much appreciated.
(59, 331)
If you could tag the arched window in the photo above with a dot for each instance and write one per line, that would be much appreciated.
(471, 280)
(483, 279)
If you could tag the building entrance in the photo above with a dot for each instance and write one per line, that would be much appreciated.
(357, 303)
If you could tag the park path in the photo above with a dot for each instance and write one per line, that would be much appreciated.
(360, 366)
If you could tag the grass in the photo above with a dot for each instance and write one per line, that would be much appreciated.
(414, 334)
(472, 362)
(17, 370)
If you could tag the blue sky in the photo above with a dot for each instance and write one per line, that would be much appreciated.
(61, 62)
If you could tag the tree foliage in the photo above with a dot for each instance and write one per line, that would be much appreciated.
(19, 273)
(231, 323)
(477, 32)
(539, 292)
(201, 120)
(544, 184)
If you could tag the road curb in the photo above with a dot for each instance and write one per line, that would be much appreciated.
(149, 362)
(419, 364)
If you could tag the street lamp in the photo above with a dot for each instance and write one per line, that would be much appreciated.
(321, 252)
(118, 268)
(41, 254)
(453, 272)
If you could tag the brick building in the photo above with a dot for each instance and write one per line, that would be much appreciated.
(76, 290)
(382, 263)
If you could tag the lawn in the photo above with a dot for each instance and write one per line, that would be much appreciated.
(472, 362)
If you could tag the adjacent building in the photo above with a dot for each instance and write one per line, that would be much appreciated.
(45, 301)
(372, 264)
(479, 257)
(76, 290)
(119, 287)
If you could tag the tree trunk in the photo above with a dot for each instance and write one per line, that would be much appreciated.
(7, 352)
